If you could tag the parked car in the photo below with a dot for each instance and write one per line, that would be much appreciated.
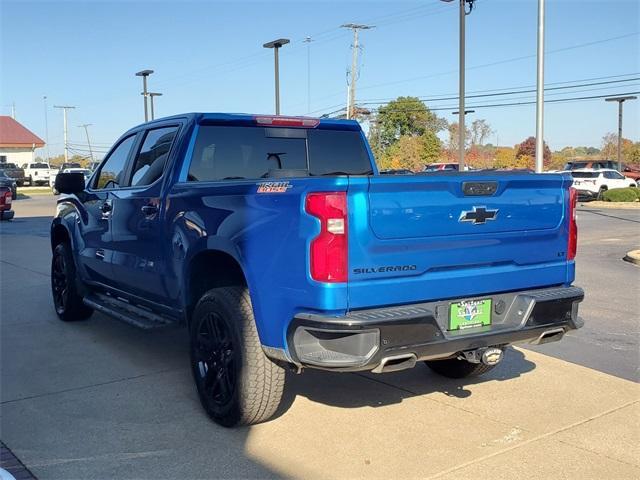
(66, 165)
(13, 171)
(277, 244)
(7, 181)
(38, 173)
(442, 166)
(591, 184)
(84, 171)
(628, 171)
(5, 203)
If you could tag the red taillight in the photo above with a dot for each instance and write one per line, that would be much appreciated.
(328, 251)
(572, 245)
(5, 200)
(276, 121)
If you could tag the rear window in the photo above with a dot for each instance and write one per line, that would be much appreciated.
(575, 165)
(585, 174)
(39, 165)
(228, 153)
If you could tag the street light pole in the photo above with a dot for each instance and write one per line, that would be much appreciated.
(64, 123)
(461, 87)
(540, 91)
(620, 101)
(276, 44)
(151, 95)
(86, 131)
(144, 74)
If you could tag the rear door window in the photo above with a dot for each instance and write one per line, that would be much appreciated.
(229, 153)
(153, 155)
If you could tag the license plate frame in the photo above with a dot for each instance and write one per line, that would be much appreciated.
(467, 314)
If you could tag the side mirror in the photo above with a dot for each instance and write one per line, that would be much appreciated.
(70, 182)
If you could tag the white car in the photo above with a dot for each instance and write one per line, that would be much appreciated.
(592, 183)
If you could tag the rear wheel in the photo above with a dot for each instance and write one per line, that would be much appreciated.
(455, 368)
(66, 300)
(237, 384)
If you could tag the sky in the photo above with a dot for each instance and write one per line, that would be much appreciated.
(208, 56)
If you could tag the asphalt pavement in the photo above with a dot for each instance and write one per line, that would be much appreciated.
(101, 399)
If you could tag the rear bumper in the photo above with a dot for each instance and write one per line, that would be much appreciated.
(6, 214)
(587, 195)
(368, 339)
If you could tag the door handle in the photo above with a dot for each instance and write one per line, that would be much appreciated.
(106, 207)
(149, 210)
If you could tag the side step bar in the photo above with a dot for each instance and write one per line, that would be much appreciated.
(127, 312)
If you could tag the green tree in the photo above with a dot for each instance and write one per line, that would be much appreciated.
(405, 116)
(505, 157)
(411, 152)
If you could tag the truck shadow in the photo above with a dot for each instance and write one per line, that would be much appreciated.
(356, 390)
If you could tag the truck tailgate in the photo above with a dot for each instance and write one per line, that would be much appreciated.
(431, 237)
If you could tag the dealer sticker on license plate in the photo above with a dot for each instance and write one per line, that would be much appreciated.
(469, 314)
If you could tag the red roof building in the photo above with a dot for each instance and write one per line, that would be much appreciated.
(15, 135)
(17, 143)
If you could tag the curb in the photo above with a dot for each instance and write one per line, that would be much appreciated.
(633, 257)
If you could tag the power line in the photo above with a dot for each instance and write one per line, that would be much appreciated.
(453, 96)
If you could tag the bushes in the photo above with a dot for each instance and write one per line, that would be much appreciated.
(621, 195)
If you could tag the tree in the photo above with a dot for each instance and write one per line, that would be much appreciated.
(528, 149)
(480, 131)
(405, 116)
(411, 152)
(505, 157)
(609, 146)
(454, 138)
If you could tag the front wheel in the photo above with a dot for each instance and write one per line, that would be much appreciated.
(237, 384)
(66, 299)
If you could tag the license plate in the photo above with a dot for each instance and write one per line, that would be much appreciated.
(469, 314)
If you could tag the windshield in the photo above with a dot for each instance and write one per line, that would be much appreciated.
(226, 153)
(585, 174)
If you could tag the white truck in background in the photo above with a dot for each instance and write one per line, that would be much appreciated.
(39, 173)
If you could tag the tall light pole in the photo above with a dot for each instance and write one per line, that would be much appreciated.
(151, 95)
(64, 120)
(46, 127)
(461, 81)
(144, 74)
(540, 91)
(276, 44)
(86, 131)
(620, 101)
(351, 104)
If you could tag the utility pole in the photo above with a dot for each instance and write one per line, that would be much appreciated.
(151, 95)
(308, 41)
(64, 117)
(144, 74)
(540, 91)
(351, 103)
(86, 131)
(620, 101)
(276, 44)
(46, 127)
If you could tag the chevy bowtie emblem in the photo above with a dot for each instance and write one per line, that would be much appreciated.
(478, 215)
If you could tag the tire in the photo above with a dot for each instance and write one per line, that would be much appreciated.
(454, 368)
(601, 192)
(237, 384)
(66, 300)
(30, 181)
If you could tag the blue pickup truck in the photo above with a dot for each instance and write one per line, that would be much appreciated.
(277, 243)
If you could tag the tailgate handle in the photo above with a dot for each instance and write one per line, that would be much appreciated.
(479, 189)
